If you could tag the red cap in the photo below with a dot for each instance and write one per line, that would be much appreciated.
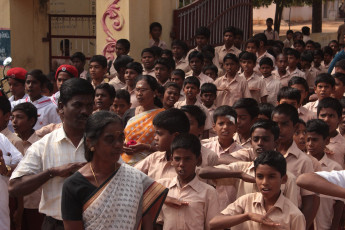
(70, 69)
(17, 73)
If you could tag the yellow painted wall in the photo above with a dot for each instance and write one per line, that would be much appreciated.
(5, 14)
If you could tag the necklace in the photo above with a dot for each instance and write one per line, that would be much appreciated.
(94, 176)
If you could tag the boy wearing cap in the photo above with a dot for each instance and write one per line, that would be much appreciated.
(16, 81)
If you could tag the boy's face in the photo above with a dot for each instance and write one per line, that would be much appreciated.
(316, 144)
(286, 127)
(4, 118)
(299, 47)
(339, 89)
(224, 127)
(252, 48)
(177, 51)
(269, 180)
(21, 123)
(342, 122)
(231, 67)
(269, 24)
(61, 78)
(78, 64)
(120, 50)
(305, 64)
(228, 39)
(120, 106)
(196, 64)
(194, 126)
(323, 90)
(300, 136)
(162, 73)
(185, 162)
(334, 47)
(201, 40)
(148, 60)
(212, 74)
(262, 140)
(292, 61)
(289, 36)
(317, 60)
(208, 99)
(244, 121)
(327, 58)
(16, 88)
(266, 70)
(292, 102)
(247, 65)
(156, 32)
(330, 116)
(171, 96)
(103, 100)
(238, 40)
(309, 47)
(97, 72)
(281, 62)
(301, 88)
(177, 79)
(191, 91)
(32, 87)
(130, 76)
(163, 139)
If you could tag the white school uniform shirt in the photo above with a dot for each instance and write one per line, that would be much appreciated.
(11, 99)
(55, 98)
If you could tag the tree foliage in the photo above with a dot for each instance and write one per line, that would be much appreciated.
(282, 3)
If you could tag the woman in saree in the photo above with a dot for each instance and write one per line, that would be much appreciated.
(139, 129)
(104, 194)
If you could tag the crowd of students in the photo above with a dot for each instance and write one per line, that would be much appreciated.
(216, 137)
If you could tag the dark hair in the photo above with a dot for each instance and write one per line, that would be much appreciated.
(249, 104)
(296, 34)
(123, 94)
(289, 32)
(224, 110)
(273, 159)
(38, 75)
(340, 77)
(253, 40)
(325, 78)
(333, 41)
(167, 52)
(173, 120)
(122, 61)
(266, 109)
(196, 54)
(78, 55)
(231, 57)
(171, 84)
(261, 37)
(299, 81)
(29, 109)
(180, 73)
(305, 30)
(73, 87)
(301, 122)
(318, 52)
(230, 29)
(331, 103)
(186, 141)
(289, 93)
(327, 50)
(266, 61)
(210, 67)
(167, 62)
(239, 32)
(192, 80)
(342, 102)
(107, 87)
(287, 110)
(152, 82)
(100, 59)
(5, 105)
(196, 112)
(208, 50)
(203, 31)
(248, 56)
(155, 24)
(157, 51)
(311, 42)
(308, 56)
(136, 66)
(266, 125)
(293, 52)
(49, 85)
(269, 20)
(95, 126)
(181, 44)
(299, 42)
(340, 64)
(318, 126)
(208, 88)
(126, 44)
(148, 50)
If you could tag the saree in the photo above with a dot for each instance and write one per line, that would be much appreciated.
(123, 200)
(140, 129)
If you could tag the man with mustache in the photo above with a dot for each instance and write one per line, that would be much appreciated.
(57, 155)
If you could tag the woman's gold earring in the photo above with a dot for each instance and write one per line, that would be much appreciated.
(92, 149)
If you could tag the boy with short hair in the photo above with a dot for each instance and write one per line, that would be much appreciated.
(288, 42)
(280, 73)
(293, 59)
(179, 49)
(122, 102)
(341, 127)
(272, 85)
(122, 47)
(191, 203)
(238, 41)
(299, 46)
(247, 111)
(163, 68)
(270, 33)
(133, 70)
(178, 77)
(252, 45)
(156, 32)
(318, 57)
(251, 210)
(310, 72)
(148, 61)
(78, 60)
(196, 63)
(231, 86)
(171, 95)
(104, 97)
(208, 95)
(265, 110)
(256, 84)
(97, 69)
(262, 50)
(120, 64)
(290, 96)
(16, 81)
(330, 110)
(327, 58)
(330, 210)
(339, 88)
(300, 135)
(211, 71)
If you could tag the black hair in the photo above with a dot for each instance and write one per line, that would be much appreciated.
(231, 57)
(95, 126)
(261, 37)
(299, 42)
(318, 52)
(325, 78)
(203, 31)
(230, 29)
(273, 159)
(327, 50)
(317, 45)
(266, 125)
(289, 32)
(79, 55)
(210, 67)
(136, 66)
(208, 88)
(173, 120)
(289, 93)
(224, 110)
(157, 51)
(38, 75)
(5, 105)
(49, 85)
(109, 88)
(126, 44)
(305, 30)
(123, 94)
(318, 126)
(100, 59)
(342, 102)
(196, 54)
(340, 64)
(248, 56)
(73, 87)
(311, 42)
(187, 141)
(181, 44)
(249, 104)
(167, 52)
(155, 24)
(152, 82)
(253, 40)
(122, 61)
(269, 20)
(266, 61)
(29, 109)
(331, 103)
(196, 112)
(296, 34)
(340, 77)
(293, 52)
(308, 56)
(208, 50)
(287, 110)
(148, 50)
(299, 81)
(171, 84)
(180, 73)
(192, 80)
(239, 32)
(301, 122)
(333, 41)
(167, 62)
(266, 109)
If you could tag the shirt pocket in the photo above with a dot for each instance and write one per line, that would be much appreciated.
(195, 215)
